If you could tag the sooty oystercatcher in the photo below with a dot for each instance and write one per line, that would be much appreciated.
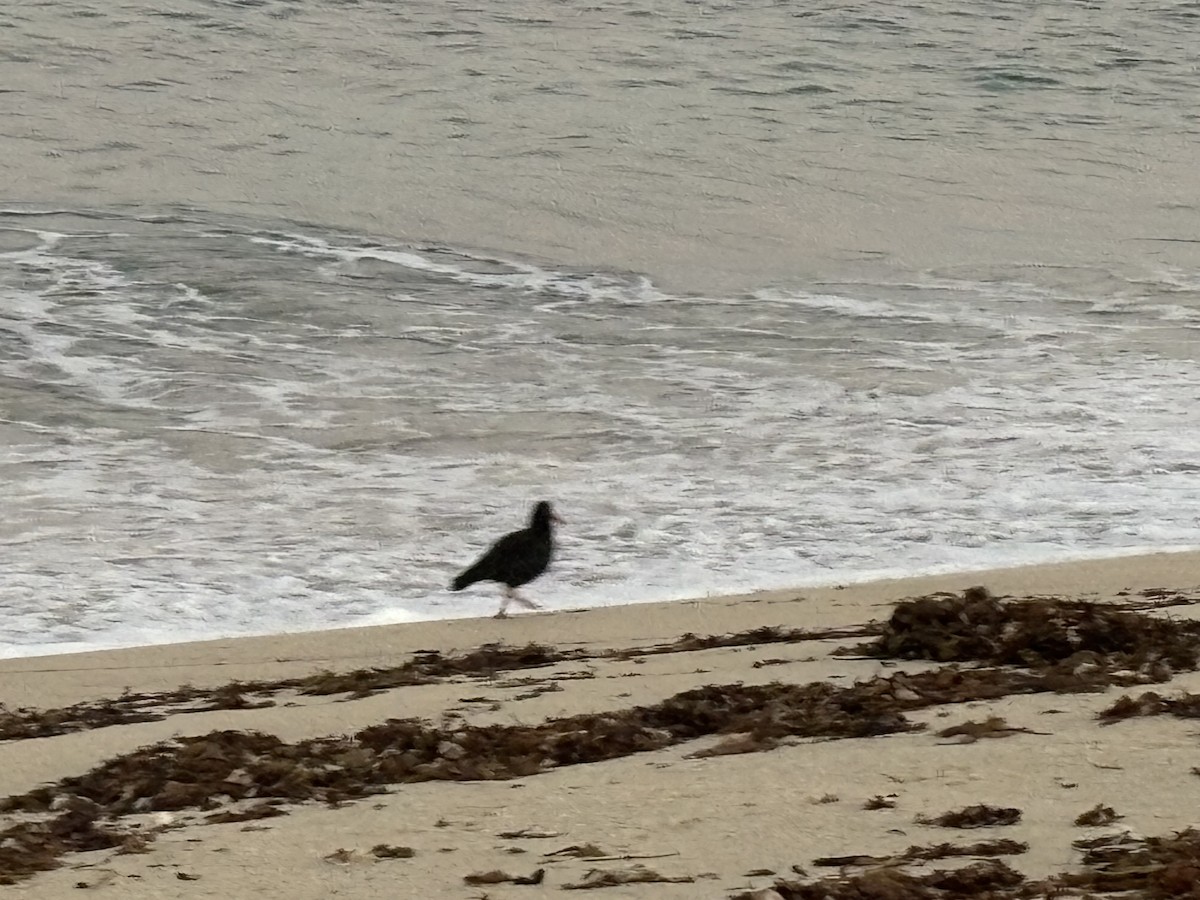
(516, 559)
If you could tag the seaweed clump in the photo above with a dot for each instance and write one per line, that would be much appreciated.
(980, 816)
(1151, 703)
(989, 879)
(1002, 847)
(31, 847)
(129, 708)
(210, 771)
(1157, 868)
(426, 667)
(1119, 646)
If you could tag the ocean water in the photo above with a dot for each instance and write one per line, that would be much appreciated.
(264, 365)
(212, 428)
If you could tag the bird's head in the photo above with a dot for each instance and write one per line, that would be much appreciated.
(544, 515)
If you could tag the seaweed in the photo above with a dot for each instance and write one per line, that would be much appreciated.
(426, 667)
(1043, 634)
(1151, 703)
(979, 816)
(1156, 868)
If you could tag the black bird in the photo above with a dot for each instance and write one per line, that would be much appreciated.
(516, 559)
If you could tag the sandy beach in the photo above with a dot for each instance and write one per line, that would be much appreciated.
(710, 819)
(722, 747)
(948, 248)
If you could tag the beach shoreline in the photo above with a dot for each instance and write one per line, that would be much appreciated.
(642, 805)
(941, 182)
(693, 152)
(1087, 573)
(917, 583)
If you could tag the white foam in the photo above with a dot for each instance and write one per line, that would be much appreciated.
(324, 444)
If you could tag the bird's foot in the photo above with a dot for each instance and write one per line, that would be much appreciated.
(501, 615)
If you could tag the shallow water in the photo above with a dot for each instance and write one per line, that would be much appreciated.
(769, 295)
(213, 428)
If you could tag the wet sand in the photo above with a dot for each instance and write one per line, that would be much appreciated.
(713, 819)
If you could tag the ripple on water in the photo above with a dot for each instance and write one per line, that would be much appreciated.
(216, 428)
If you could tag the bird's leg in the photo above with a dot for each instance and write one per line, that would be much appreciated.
(524, 601)
(508, 596)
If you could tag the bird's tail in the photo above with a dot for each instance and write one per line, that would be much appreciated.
(466, 579)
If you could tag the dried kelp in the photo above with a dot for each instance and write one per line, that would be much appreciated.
(990, 879)
(1156, 868)
(579, 851)
(267, 809)
(880, 802)
(429, 666)
(1096, 816)
(498, 876)
(979, 816)
(426, 667)
(208, 772)
(1067, 636)
(211, 770)
(127, 709)
(637, 874)
(1150, 703)
(391, 851)
(1003, 847)
(1038, 633)
(30, 847)
(991, 727)
(767, 634)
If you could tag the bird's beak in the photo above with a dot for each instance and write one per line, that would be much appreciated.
(557, 519)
